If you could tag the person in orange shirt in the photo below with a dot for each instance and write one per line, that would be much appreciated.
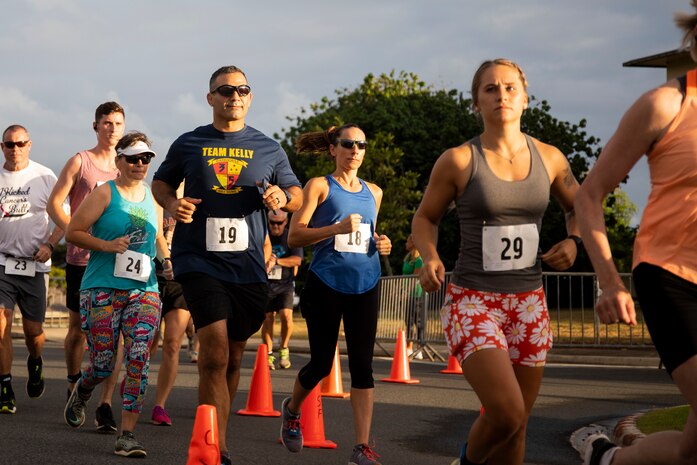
(662, 124)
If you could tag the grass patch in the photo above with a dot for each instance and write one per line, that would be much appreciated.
(673, 418)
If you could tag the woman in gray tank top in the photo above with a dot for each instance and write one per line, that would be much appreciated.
(495, 313)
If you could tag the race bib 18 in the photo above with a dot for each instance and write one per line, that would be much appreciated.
(355, 242)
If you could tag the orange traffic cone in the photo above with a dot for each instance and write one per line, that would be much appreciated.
(204, 448)
(400, 363)
(260, 398)
(453, 368)
(312, 422)
(332, 386)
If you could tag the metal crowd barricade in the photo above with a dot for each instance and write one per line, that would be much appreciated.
(570, 296)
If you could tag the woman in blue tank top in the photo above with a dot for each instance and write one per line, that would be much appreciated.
(119, 295)
(338, 219)
(495, 313)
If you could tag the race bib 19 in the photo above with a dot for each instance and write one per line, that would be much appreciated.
(226, 235)
(355, 242)
(133, 265)
(507, 248)
(20, 266)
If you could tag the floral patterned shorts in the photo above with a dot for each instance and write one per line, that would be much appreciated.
(517, 323)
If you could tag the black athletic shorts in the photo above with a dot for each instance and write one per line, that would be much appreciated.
(211, 300)
(73, 280)
(669, 305)
(171, 295)
(280, 297)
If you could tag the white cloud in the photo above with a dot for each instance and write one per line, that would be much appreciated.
(155, 57)
(46, 6)
(16, 103)
(289, 101)
(192, 109)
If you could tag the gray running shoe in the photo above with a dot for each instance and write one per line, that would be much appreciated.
(35, 382)
(74, 413)
(128, 446)
(364, 455)
(7, 400)
(104, 419)
(284, 355)
(291, 434)
(271, 360)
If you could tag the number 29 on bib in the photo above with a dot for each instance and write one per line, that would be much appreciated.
(512, 247)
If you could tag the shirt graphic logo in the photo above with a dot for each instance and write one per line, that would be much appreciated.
(227, 171)
(14, 201)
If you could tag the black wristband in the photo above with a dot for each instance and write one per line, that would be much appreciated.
(50, 246)
(576, 239)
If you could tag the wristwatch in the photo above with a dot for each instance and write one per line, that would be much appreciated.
(288, 196)
(576, 239)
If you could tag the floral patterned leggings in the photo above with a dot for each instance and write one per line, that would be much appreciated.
(105, 314)
(518, 323)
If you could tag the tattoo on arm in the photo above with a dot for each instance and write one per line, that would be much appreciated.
(568, 177)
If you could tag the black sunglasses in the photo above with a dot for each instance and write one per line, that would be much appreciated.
(349, 143)
(227, 90)
(277, 223)
(134, 159)
(20, 143)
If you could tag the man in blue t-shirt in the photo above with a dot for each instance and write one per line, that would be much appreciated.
(281, 268)
(233, 174)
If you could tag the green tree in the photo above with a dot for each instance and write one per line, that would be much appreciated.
(409, 124)
(619, 211)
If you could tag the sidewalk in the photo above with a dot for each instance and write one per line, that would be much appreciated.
(640, 357)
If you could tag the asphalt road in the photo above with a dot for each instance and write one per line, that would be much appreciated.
(413, 424)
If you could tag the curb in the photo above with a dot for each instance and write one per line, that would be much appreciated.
(634, 361)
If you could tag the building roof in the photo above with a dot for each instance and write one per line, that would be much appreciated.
(660, 60)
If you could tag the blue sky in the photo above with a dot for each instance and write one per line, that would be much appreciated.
(64, 57)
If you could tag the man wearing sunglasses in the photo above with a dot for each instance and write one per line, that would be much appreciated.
(280, 268)
(26, 245)
(233, 174)
(82, 173)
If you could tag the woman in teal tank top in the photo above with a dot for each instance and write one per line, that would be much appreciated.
(119, 224)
